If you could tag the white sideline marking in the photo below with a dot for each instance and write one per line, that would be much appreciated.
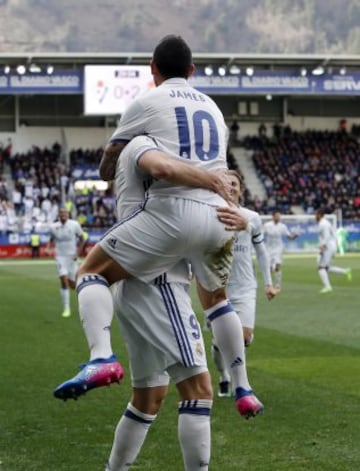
(26, 262)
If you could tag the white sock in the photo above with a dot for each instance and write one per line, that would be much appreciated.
(324, 277)
(65, 297)
(194, 431)
(130, 435)
(220, 364)
(337, 270)
(229, 337)
(96, 313)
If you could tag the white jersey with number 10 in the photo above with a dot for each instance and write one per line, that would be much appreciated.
(185, 123)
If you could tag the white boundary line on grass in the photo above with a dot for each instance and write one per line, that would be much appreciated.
(26, 262)
(7, 262)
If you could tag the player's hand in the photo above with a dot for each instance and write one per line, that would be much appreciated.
(271, 292)
(232, 218)
(222, 184)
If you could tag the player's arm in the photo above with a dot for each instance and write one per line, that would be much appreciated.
(262, 256)
(290, 235)
(81, 244)
(131, 124)
(162, 166)
(109, 159)
(49, 244)
(264, 264)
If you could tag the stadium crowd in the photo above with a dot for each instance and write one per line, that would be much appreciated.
(310, 169)
(41, 182)
(304, 169)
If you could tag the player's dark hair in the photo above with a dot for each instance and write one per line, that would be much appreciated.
(173, 57)
(240, 178)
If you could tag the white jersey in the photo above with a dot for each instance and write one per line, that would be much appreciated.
(242, 278)
(183, 122)
(66, 237)
(327, 234)
(131, 183)
(159, 326)
(274, 232)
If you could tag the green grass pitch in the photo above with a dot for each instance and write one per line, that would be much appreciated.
(304, 365)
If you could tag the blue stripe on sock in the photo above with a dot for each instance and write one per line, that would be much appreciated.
(194, 410)
(88, 280)
(220, 312)
(131, 415)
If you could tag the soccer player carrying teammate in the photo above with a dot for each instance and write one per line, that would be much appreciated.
(68, 238)
(327, 251)
(242, 285)
(174, 222)
(163, 340)
(274, 231)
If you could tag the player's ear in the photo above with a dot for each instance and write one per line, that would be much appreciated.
(153, 67)
(192, 70)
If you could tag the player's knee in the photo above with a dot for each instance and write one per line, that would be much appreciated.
(149, 400)
(196, 387)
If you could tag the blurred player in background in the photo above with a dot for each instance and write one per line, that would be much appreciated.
(242, 285)
(327, 251)
(67, 236)
(341, 237)
(274, 232)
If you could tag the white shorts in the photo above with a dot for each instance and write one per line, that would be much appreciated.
(168, 230)
(245, 308)
(67, 266)
(325, 259)
(160, 330)
(275, 257)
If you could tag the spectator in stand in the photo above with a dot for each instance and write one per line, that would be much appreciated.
(262, 130)
(34, 244)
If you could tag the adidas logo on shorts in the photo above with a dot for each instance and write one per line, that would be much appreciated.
(112, 243)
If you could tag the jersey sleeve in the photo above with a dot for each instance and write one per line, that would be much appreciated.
(264, 262)
(131, 123)
(285, 231)
(256, 231)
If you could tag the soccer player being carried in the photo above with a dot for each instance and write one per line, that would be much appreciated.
(274, 232)
(174, 223)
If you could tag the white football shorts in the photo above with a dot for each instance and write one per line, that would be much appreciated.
(245, 308)
(167, 230)
(325, 259)
(160, 330)
(275, 257)
(67, 266)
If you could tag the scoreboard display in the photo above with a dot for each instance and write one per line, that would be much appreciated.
(109, 89)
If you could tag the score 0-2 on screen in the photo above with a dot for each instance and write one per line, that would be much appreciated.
(109, 89)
